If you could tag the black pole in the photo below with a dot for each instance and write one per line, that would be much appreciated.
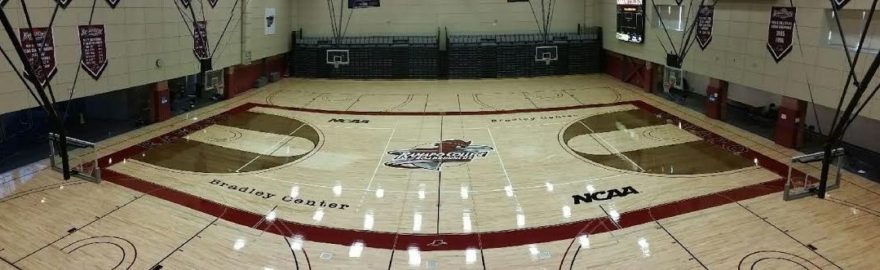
(657, 11)
(851, 77)
(53, 115)
(838, 130)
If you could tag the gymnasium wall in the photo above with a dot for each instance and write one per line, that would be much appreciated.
(738, 51)
(257, 42)
(401, 17)
(141, 34)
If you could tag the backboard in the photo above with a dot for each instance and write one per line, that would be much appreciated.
(546, 54)
(337, 58)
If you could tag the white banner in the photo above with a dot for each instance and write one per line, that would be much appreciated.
(270, 21)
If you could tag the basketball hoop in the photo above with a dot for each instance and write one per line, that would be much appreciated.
(546, 54)
(337, 58)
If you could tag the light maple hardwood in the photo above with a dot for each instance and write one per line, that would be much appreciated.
(528, 173)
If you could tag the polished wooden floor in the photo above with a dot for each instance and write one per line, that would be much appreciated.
(575, 172)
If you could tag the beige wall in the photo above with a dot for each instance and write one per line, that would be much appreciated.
(256, 41)
(138, 34)
(738, 51)
(426, 16)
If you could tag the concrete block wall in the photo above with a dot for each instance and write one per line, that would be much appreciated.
(140, 34)
(459, 16)
(738, 51)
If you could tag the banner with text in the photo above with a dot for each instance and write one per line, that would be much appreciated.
(39, 49)
(93, 46)
(363, 3)
(705, 20)
(200, 39)
(779, 37)
(63, 3)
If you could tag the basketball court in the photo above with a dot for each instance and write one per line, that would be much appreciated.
(252, 134)
(459, 174)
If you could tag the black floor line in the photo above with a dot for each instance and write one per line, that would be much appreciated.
(292, 252)
(24, 175)
(81, 227)
(574, 258)
(439, 175)
(9, 263)
(853, 205)
(308, 262)
(439, 183)
(573, 97)
(428, 97)
(680, 244)
(482, 257)
(355, 102)
(41, 189)
(530, 100)
(313, 100)
(610, 218)
(862, 187)
(179, 248)
(787, 234)
(391, 260)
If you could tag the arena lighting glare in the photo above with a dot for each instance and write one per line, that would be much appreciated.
(415, 257)
(356, 249)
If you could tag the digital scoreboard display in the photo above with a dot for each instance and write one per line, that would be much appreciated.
(631, 20)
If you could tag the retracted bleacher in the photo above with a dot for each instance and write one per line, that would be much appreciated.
(524, 55)
(367, 57)
(466, 56)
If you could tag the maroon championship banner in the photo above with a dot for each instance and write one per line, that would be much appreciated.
(93, 44)
(705, 20)
(63, 3)
(39, 49)
(200, 39)
(113, 3)
(779, 38)
(185, 3)
(213, 3)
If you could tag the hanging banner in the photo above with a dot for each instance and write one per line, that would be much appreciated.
(200, 39)
(93, 46)
(185, 3)
(839, 3)
(269, 28)
(705, 19)
(363, 3)
(779, 38)
(113, 3)
(63, 3)
(213, 3)
(39, 49)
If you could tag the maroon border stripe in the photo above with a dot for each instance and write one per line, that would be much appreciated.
(444, 241)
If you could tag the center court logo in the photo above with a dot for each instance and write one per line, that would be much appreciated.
(431, 158)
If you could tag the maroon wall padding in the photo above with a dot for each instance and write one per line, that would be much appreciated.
(241, 78)
(161, 102)
(716, 99)
(631, 70)
(788, 130)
